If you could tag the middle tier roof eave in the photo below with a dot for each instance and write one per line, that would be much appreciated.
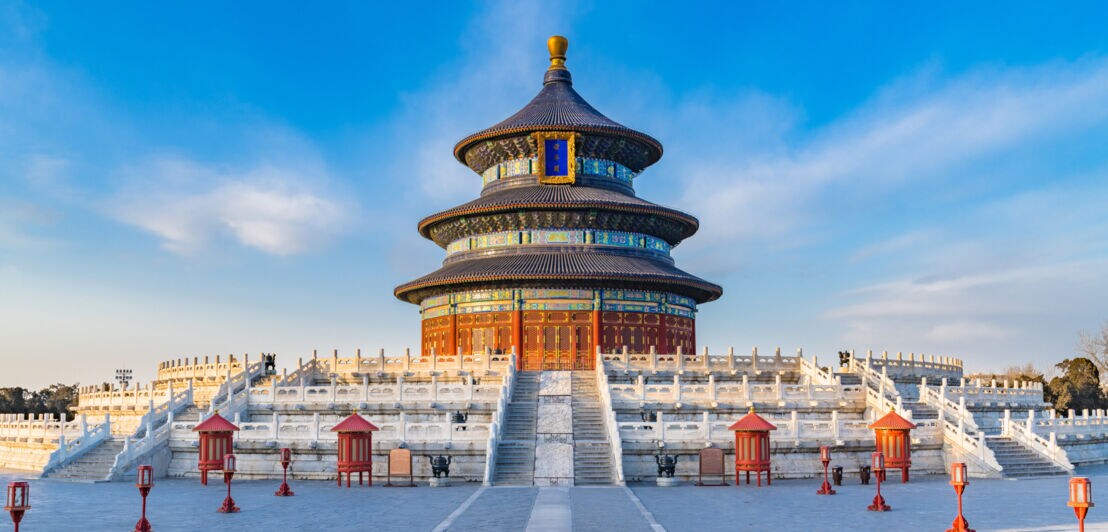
(569, 267)
(558, 197)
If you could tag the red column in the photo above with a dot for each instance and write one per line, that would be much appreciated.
(517, 335)
(452, 343)
(596, 331)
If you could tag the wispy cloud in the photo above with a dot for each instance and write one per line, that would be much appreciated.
(189, 206)
(910, 133)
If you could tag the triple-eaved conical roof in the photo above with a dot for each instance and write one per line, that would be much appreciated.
(557, 107)
(598, 203)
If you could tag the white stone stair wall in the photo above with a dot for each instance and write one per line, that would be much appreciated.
(592, 453)
(92, 465)
(515, 453)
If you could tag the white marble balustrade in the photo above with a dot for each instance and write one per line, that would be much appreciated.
(1018, 394)
(712, 393)
(791, 430)
(43, 428)
(1084, 425)
(705, 362)
(914, 366)
(366, 392)
(298, 429)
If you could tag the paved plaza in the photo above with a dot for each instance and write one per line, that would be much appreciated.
(924, 504)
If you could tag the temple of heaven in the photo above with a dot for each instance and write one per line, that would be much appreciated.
(558, 257)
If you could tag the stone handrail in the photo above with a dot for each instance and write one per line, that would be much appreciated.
(154, 428)
(70, 450)
(41, 427)
(955, 412)
(881, 392)
(1070, 426)
(322, 368)
(815, 373)
(924, 366)
(615, 441)
(283, 429)
(713, 393)
(1021, 393)
(1047, 447)
(792, 431)
(374, 393)
(970, 446)
(496, 428)
(135, 398)
(679, 362)
(232, 398)
(199, 370)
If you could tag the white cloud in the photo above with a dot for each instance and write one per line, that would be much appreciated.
(275, 209)
(903, 136)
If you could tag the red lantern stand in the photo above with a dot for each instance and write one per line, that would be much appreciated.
(286, 459)
(1081, 499)
(752, 447)
(879, 470)
(894, 441)
(825, 457)
(18, 501)
(216, 441)
(959, 479)
(144, 483)
(229, 468)
(355, 450)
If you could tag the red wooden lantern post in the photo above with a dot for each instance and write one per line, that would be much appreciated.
(1081, 499)
(18, 501)
(959, 480)
(825, 457)
(216, 441)
(878, 469)
(229, 467)
(355, 450)
(286, 458)
(752, 447)
(894, 441)
(144, 482)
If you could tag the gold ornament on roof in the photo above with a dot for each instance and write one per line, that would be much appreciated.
(557, 46)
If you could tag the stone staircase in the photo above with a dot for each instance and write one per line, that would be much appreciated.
(93, 465)
(515, 454)
(920, 411)
(1019, 461)
(592, 455)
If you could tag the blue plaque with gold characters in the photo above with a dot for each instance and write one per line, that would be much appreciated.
(557, 157)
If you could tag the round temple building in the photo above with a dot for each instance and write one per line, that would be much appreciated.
(558, 257)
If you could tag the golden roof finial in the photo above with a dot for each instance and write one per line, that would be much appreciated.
(751, 409)
(557, 46)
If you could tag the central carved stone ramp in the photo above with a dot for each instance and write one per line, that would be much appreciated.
(592, 456)
(93, 465)
(1019, 461)
(515, 454)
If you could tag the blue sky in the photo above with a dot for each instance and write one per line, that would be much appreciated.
(211, 178)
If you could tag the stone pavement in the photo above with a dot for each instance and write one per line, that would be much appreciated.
(924, 504)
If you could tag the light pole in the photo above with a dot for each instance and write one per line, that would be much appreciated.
(1081, 499)
(878, 469)
(18, 501)
(144, 483)
(123, 376)
(959, 481)
(286, 458)
(825, 457)
(228, 472)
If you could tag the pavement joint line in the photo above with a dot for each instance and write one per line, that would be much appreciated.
(445, 524)
(654, 524)
(552, 511)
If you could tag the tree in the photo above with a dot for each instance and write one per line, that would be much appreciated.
(1078, 387)
(1095, 347)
